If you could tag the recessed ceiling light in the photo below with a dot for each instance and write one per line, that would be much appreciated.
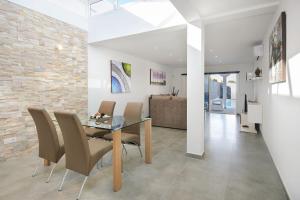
(217, 56)
(59, 47)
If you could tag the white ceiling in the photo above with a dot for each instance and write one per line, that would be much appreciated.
(232, 28)
(195, 9)
(231, 42)
(208, 8)
(165, 46)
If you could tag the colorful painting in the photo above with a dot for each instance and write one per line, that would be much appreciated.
(120, 77)
(277, 59)
(157, 77)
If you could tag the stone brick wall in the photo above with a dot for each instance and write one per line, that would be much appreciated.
(35, 72)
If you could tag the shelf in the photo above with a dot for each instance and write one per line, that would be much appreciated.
(255, 78)
(250, 76)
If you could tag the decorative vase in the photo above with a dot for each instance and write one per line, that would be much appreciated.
(258, 72)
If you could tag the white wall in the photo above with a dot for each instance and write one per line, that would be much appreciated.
(179, 81)
(195, 90)
(243, 86)
(54, 9)
(281, 104)
(99, 76)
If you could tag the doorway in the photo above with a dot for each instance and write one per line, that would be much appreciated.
(221, 92)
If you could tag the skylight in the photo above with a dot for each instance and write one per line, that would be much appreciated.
(155, 12)
(103, 6)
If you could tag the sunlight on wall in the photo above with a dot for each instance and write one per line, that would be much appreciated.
(281, 89)
(292, 85)
(96, 83)
(156, 13)
(194, 35)
(294, 73)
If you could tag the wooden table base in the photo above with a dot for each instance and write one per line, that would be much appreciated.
(148, 141)
(47, 163)
(117, 153)
(117, 162)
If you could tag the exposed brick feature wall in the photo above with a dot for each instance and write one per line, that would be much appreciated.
(34, 72)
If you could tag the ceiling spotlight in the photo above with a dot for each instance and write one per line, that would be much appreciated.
(59, 47)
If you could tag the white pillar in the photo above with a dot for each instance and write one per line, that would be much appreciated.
(195, 91)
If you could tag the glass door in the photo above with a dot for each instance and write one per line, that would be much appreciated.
(220, 92)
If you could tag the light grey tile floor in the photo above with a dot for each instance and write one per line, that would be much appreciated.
(236, 166)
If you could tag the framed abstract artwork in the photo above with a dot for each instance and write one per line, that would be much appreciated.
(157, 77)
(277, 51)
(120, 77)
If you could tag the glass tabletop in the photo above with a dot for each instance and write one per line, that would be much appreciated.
(112, 123)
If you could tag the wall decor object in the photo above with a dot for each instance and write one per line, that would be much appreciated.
(120, 77)
(277, 51)
(158, 77)
(258, 72)
(174, 92)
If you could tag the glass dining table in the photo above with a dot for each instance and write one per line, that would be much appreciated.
(115, 125)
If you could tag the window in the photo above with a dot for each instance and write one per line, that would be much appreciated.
(103, 6)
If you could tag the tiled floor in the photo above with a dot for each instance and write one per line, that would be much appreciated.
(237, 166)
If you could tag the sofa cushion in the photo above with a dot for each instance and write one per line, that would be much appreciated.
(161, 97)
(178, 98)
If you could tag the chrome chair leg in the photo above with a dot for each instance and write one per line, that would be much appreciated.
(101, 163)
(122, 169)
(48, 180)
(140, 151)
(124, 148)
(97, 165)
(85, 179)
(35, 171)
(63, 180)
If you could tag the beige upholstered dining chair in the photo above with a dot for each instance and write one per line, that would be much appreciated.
(131, 134)
(107, 108)
(51, 145)
(81, 154)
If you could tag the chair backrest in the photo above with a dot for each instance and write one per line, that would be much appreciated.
(133, 110)
(76, 145)
(47, 135)
(107, 107)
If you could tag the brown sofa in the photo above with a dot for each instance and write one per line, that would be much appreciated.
(168, 111)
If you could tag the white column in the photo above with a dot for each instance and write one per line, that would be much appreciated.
(195, 91)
